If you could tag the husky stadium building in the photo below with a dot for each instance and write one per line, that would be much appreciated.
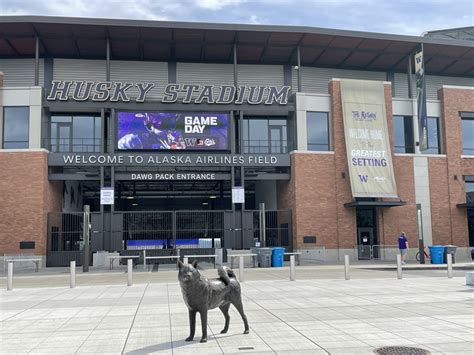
(201, 135)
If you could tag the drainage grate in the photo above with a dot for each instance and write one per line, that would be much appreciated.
(246, 348)
(401, 350)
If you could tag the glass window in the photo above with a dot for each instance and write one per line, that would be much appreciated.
(79, 133)
(432, 125)
(317, 124)
(16, 121)
(469, 185)
(403, 134)
(265, 135)
(467, 120)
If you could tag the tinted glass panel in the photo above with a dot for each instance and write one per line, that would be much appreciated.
(433, 136)
(79, 133)
(468, 136)
(265, 135)
(16, 127)
(318, 131)
(403, 134)
(469, 192)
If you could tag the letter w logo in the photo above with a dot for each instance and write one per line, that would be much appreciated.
(364, 178)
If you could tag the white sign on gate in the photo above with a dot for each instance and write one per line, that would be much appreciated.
(107, 196)
(238, 194)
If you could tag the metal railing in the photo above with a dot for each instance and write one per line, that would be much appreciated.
(265, 146)
(73, 145)
(377, 252)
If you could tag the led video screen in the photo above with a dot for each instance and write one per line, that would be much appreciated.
(172, 130)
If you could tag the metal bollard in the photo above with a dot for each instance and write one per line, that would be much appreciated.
(72, 280)
(185, 260)
(144, 259)
(241, 268)
(347, 270)
(129, 272)
(450, 265)
(10, 276)
(292, 268)
(399, 267)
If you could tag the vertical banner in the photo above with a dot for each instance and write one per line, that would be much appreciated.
(421, 99)
(367, 139)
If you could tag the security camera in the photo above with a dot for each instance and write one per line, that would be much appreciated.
(296, 67)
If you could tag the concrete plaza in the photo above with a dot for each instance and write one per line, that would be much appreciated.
(314, 315)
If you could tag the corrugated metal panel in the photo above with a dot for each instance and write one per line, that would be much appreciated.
(401, 85)
(21, 72)
(433, 83)
(315, 80)
(254, 74)
(205, 74)
(79, 69)
(260, 75)
(141, 72)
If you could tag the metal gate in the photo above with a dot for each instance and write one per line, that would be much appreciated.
(163, 230)
(64, 240)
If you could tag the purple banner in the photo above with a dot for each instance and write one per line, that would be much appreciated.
(172, 130)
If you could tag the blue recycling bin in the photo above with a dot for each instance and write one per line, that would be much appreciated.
(278, 255)
(437, 254)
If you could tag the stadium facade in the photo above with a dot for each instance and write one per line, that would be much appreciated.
(178, 134)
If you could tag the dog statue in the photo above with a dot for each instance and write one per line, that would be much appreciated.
(201, 294)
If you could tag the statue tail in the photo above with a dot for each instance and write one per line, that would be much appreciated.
(225, 274)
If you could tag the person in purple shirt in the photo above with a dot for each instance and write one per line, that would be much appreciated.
(403, 246)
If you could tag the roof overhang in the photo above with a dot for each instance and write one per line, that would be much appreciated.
(355, 204)
(213, 43)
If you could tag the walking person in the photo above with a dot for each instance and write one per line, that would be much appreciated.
(403, 246)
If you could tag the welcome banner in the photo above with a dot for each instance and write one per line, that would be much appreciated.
(367, 139)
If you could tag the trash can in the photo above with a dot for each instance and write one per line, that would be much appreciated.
(437, 254)
(449, 249)
(278, 254)
(265, 257)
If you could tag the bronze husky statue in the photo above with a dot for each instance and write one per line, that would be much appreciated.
(201, 294)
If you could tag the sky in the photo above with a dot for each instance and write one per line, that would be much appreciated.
(386, 16)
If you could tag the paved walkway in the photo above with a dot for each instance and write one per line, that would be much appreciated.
(310, 316)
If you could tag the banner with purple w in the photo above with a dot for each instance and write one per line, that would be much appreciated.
(421, 100)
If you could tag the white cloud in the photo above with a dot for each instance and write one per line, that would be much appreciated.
(217, 4)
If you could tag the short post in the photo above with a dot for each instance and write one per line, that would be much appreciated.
(144, 259)
(450, 265)
(241, 268)
(347, 270)
(72, 280)
(85, 238)
(185, 259)
(10, 276)
(292, 268)
(399, 267)
(129, 272)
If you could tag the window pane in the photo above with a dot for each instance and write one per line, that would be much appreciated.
(61, 118)
(16, 127)
(468, 136)
(318, 131)
(399, 134)
(409, 143)
(403, 134)
(432, 125)
(469, 192)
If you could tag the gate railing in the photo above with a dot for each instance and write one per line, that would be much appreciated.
(160, 230)
(377, 252)
(278, 228)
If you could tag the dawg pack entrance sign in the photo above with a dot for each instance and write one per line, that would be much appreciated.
(64, 90)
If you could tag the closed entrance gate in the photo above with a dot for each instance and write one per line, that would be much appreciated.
(119, 231)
